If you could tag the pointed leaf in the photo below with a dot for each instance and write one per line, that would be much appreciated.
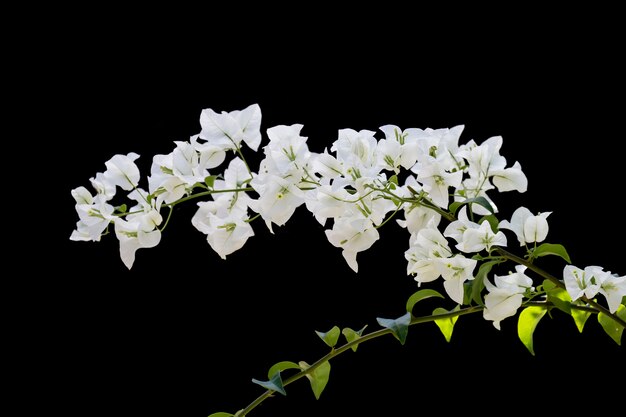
(318, 378)
(399, 327)
(478, 284)
(551, 249)
(419, 296)
(493, 222)
(580, 318)
(274, 384)
(558, 296)
(122, 209)
(526, 324)
(330, 337)
(611, 327)
(446, 325)
(281, 366)
(482, 201)
(222, 414)
(210, 180)
(352, 335)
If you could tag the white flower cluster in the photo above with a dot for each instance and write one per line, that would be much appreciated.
(359, 183)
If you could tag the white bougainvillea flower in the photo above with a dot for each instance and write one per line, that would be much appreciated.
(510, 179)
(455, 271)
(324, 202)
(326, 165)
(287, 153)
(103, 186)
(356, 149)
(593, 280)
(94, 214)
(505, 297)
(579, 282)
(426, 250)
(226, 130)
(527, 227)
(122, 171)
(278, 199)
(226, 227)
(437, 181)
(236, 176)
(457, 228)
(477, 239)
(140, 231)
(398, 149)
(353, 235)
(614, 290)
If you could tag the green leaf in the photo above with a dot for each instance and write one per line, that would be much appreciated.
(611, 327)
(318, 378)
(274, 384)
(352, 335)
(558, 296)
(478, 284)
(551, 249)
(399, 327)
(446, 325)
(580, 318)
(210, 180)
(526, 324)
(419, 296)
(222, 414)
(393, 180)
(481, 201)
(281, 366)
(330, 337)
(122, 209)
(493, 222)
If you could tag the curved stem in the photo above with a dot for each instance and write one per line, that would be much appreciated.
(508, 255)
(205, 193)
(365, 338)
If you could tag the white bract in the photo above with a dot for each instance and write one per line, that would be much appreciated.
(505, 297)
(527, 227)
(592, 280)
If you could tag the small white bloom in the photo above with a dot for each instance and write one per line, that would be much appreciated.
(122, 171)
(475, 240)
(455, 271)
(505, 297)
(140, 232)
(353, 235)
(527, 227)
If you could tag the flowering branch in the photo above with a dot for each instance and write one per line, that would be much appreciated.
(418, 177)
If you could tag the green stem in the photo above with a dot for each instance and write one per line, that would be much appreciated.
(205, 193)
(336, 352)
(508, 255)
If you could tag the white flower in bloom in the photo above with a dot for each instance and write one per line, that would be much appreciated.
(457, 228)
(235, 176)
(326, 165)
(226, 228)
(426, 250)
(103, 186)
(353, 235)
(163, 183)
(510, 179)
(138, 231)
(398, 149)
(226, 130)
(477, 239)
(122, 171)
(505, 297)
(278, 199)
(593, 280)
(437, 180)
(94, 214)
(287, 151)
(324, 202)
(528, 227)
(356, 149)
(455, 271)
(614, 289)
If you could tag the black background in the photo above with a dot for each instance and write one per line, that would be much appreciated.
(184, 332)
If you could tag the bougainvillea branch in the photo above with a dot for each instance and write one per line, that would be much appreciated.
(438, 189)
